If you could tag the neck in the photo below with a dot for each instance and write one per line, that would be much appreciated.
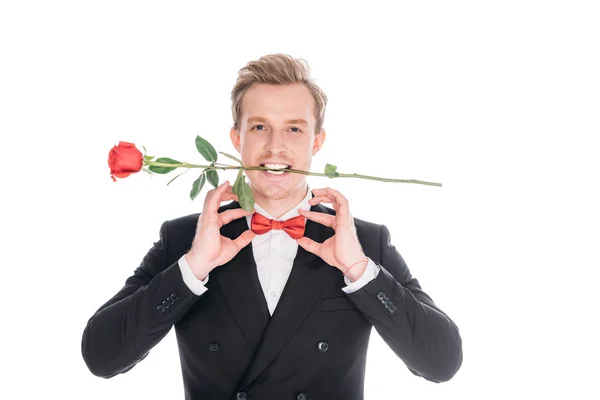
(278, 207)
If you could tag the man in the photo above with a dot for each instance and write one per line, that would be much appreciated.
(290, 316)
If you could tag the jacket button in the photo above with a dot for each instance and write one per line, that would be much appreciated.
(240, 396)
(160, 309)
(214, 346)
(166, 305)
(174, 296)
(380, 295)
(322, 346)
(301, 396)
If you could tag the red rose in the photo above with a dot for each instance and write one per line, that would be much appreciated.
(124, 160)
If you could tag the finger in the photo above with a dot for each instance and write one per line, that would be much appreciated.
(320, 199)
(243, 240)
(325, 199)
(323, 219)
(310, 245)
(212, 192)
(215, 216)
(340, 202)
(325, 194)
(213, 198)
(229, 196)
(319, 191)
(227, 216)
(328, 192)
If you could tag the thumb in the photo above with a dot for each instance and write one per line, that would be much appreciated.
(309, 245)
(244, 239)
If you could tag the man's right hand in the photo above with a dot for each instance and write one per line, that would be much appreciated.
(209, 248)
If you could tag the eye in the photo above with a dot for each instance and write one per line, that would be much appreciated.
(258, 127)
(296, 129)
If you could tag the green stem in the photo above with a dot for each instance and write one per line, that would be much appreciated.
(297, 171)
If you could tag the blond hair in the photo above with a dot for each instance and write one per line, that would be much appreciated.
(276, 69)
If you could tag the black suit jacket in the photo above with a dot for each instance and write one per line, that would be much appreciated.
(314, 346)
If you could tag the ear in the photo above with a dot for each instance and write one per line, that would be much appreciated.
(318, 141)
(235, 139)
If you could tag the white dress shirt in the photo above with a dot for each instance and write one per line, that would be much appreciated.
(274, 254)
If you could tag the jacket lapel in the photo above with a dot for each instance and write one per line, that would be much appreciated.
(308, 279)
(239, 283)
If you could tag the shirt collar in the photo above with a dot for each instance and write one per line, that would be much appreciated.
(304, 205)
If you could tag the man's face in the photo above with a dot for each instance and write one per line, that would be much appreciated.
(277, 126)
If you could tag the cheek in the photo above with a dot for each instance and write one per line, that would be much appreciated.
(301, 145)
(249, 148)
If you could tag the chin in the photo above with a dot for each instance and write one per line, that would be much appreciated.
(273, 190)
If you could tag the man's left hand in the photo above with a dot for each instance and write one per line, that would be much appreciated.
(343, 249)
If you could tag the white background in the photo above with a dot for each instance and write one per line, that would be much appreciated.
(498, 101)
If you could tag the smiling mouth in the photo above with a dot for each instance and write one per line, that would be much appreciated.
(276, 167)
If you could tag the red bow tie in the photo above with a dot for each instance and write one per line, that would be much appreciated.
(293, 226)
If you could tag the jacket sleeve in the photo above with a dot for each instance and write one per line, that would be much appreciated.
(408, 320)
(123, 330)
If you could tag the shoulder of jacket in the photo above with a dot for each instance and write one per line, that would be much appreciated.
(363, 225)
(192, 219)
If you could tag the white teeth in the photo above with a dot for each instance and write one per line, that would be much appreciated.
(276, 166)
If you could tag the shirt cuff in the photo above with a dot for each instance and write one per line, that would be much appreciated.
(195, 285)
(368, 275)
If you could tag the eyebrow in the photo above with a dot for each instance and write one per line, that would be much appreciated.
(287, 121)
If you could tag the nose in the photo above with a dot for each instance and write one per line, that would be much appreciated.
(275, 143)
